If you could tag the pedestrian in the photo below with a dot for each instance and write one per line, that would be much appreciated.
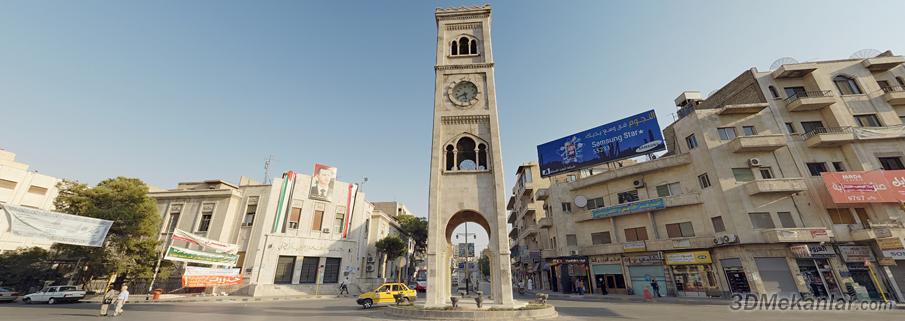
(579, 286)
(344, 286)
(530, 285)
(654, 286)
(121, 300)
(107, 299)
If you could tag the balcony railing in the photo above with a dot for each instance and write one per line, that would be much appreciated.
(894, 95)
(809, 94)
(827, 130)
(893, 89)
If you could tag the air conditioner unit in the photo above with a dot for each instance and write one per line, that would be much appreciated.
(754, 162)
(369, 268)
(725, 239)
(326, 230)
(573, 252)
(638, 183)
(370, 259)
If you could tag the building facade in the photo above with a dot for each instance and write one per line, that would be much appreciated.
(22, 187)
(738, 204)
(530, 226)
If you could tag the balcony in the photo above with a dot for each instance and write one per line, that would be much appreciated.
(810, 100)
(669, 202)
(659, 164)
(511, 218)
(542, 194)
(776, 185)
(795, 235)
(545, 222)
(876, 231)
(511, 204)
(757, 143)
(894, 95)
(829, 137)
(878, 64)
(529, 208)
(794, 70)
(742, 109)
(513, 234)
(527, 231)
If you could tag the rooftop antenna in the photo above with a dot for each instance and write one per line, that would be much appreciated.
(267, 169)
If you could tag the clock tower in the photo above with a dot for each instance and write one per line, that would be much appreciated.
(466, 178)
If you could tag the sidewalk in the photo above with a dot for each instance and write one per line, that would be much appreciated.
(173, 298)
(633, 298)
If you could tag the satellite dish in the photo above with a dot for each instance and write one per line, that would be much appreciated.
(581, 201)
(865, 53)
(782, 61)
(711, 93)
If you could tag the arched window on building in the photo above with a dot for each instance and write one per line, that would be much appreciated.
(450, 157)
(474, 47)
(463, 46)
(466, 157)
(482, 157)
(454, 49)
(846, 85)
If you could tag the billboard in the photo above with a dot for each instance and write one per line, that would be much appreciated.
(626, 138)
(322, 181)
(865, 186)
(57, 227)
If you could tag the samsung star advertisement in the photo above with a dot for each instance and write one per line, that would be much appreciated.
(626, 138)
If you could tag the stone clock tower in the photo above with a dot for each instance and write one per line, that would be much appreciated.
(466, 179)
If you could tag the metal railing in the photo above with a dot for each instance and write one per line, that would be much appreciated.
(893, 89)
(808, 94)
(827, 130)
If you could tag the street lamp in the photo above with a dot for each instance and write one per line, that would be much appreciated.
(466, 235)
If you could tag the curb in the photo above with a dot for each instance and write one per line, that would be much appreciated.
(638, 300)
(223, 299)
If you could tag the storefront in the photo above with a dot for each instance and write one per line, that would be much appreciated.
(816, 270)
(775, 276)
(692, 273)
(735, 276)
(643, 269)
(608, 276)
(858, 259)
(568, 271)
(893, 262)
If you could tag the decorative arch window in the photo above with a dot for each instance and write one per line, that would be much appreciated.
(846, 85)
(463, 46)
(773, 92)
(474, 47)
(454, 49)
(466, 155)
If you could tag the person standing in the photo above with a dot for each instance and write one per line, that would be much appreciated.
(121, 300)
(109, 297)
(654, 286)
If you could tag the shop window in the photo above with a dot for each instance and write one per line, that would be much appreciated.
(786, 220)
(761, 220)
(671, 189)
(718, 225)
(743, 174)
(309, 269)
(840, 216)
(726, 133)
(571, 240)
(628, 197)
(283, 274)
(595, 203)
(684, 229)
(816, 168)
(601, 238)
(891, 163)
(704, 180)
(331, 270)
(636, 234)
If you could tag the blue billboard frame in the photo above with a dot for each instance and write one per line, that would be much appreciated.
(625, 138)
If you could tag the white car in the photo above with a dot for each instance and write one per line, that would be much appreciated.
(55, 294)
(8, 295)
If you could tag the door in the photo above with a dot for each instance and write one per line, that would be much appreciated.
(776, 276)
(384, 294)
(642, 275)
(811, 126)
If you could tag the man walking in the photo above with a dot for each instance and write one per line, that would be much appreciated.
(120, 300)
(654, 286)
(344, 286)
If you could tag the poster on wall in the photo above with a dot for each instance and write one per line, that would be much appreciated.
(322, 180)
(196, 277)
(179, 254)
(626, 138)
(180, 235)
(57, 227)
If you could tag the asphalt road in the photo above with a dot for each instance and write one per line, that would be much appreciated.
(345, 309)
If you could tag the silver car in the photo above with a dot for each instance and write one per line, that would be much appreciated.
(8, 295)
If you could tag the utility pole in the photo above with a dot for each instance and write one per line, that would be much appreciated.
(466, 235)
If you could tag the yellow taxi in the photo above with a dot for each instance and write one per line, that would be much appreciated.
(385, 294)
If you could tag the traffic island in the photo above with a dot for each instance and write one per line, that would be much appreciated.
(531, 311)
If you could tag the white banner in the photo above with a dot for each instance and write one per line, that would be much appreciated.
(57, 227)
(180, 235)
(205, 271)
(180, 254)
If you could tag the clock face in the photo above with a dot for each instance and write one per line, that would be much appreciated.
(464, 93)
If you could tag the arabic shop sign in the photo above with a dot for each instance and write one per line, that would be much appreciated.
(629, 208)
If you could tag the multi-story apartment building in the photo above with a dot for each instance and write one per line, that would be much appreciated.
(529, 234)
(309, 245)
(19, 186)
(381, 223)
(738, 203)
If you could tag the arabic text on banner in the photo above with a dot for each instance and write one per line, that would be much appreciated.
(180, 235)
(194, 256)
(206, 271)
(57, 227)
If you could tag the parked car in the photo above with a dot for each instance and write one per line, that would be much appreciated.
(384, 294)
(8, 295)
(421, 285)
(55, 294)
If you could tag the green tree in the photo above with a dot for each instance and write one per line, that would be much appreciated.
(414, 228)
(26, 268)
(484, 264)
(392, 246)
(130, 249)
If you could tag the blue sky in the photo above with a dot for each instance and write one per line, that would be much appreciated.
(172, 91)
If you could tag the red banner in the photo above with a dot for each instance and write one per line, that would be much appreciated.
(865, 186)
(200, 281)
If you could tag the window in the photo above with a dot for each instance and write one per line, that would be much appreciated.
(595, 203)
(901, 81)
(684, 229)
(868, 120)
(840, 216)
(884, 85)
(570, 178)
(331, 270)
(207, 212)
(902, 119)
(671, 189)
(691, 141)
(891, 163)
(717, 222)
(567, 207)
(250, 211)
(839, 166)
(743, 174)
(816, 168)
(7, 184)
(339, 222)
(37, 190)
(630, 196)
(811, 126)
(318, 221)
(773, 92)
(726, 133)
(636, 234)
(571, 240)
(749, 130)
(295, 216)
(766, 173)
(309, 269)
(285, 265)
(794, 92)
(863, 216)
(466, 155)
(761, 220)
(846, 85)
(786, 220)
(601, 238)
(704, 180)
(463, 46)
(790, 128)
(175, 211)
